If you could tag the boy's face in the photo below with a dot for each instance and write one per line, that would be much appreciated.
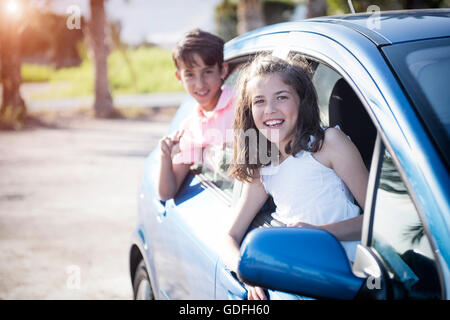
(202, 82)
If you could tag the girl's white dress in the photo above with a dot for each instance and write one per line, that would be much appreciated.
(304, 190)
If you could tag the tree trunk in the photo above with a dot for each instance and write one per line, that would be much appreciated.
(13, 109)
(250, 15)
(316, 8)
(103, 105)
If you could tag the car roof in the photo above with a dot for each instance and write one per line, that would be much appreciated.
(400, 26)
(392, 27)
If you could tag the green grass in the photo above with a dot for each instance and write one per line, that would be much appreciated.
(36, 73)
(152, 67)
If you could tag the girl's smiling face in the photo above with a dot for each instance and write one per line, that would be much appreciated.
(275, 107)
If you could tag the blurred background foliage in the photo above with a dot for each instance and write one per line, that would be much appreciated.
(63, 56)
(52, 53)
(342, 7)
(282, 10)
(274, 12)
(38, 46)
(152, 68)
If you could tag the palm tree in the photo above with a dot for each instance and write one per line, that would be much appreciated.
(13, 108)
(250, 15)
(316, 8)
(103, 105)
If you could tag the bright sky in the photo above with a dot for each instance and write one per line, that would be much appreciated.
(159, 21)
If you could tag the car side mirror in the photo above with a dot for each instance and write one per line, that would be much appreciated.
(309, 262)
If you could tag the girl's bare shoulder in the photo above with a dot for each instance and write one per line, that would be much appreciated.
(334, 142)
(335, 139)
(333, 134)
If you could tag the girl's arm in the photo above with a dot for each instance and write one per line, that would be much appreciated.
(253, 198)
(347, 162)
(346, 230)
(340, 154)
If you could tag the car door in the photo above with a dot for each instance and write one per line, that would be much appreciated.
(185, 231)
(191, 224)
(400, 260)
(397, 240)
(161, 229)
(170, 256)
(198, 223)
(357, 61)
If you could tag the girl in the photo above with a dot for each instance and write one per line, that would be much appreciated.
(315, 172)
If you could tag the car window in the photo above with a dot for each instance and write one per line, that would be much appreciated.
(324, 79)
(231, 80)
(340, 106)
(423, 68)
(400, 239)
(213, 170)
(216, 160)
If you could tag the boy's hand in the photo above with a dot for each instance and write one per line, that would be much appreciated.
(170, 144)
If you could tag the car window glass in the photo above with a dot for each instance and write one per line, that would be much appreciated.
(217, 159)
(232, 78)
(400, 239)
(340, 106)
(324, 79)
(423, 68)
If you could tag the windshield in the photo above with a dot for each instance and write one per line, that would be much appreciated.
(423, 68)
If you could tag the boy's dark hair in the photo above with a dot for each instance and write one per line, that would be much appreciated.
(208, 46)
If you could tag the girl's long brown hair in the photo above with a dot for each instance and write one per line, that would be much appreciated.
(294, 72)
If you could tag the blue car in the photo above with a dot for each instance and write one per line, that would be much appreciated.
(385, 80)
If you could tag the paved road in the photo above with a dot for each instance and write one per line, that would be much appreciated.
(160, 100)
(68, 207)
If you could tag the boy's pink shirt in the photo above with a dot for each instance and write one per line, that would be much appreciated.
(200, 131)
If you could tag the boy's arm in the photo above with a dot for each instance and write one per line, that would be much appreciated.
(170, 177)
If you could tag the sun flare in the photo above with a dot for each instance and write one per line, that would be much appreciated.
(12, 7)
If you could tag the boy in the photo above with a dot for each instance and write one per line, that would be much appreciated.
(198, 58)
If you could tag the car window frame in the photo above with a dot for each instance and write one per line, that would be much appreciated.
(214, 189)
(375, 168)
(309, 44)
(381, 145)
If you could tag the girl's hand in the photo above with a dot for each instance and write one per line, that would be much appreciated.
(345, 230)
(303, 225)
(255, 293)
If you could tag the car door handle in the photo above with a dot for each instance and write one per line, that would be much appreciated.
(160, 208)
(235, 289)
